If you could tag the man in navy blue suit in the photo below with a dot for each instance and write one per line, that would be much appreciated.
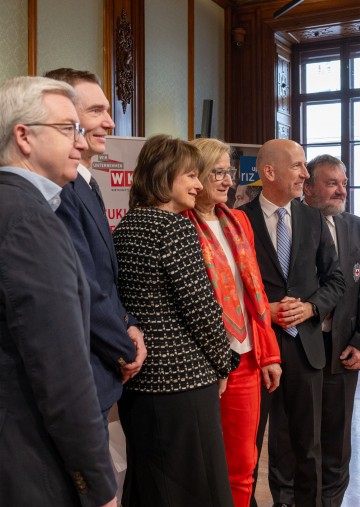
(117, 346)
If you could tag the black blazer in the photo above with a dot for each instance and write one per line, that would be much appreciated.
(314, 273)
(346, 318)
(90, 232)
(53, 448)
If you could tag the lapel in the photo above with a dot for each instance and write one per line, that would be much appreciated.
(296, 226)
(261, 232)
(343, 240)
(88, 199)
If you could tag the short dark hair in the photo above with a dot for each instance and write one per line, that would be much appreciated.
(160, 160)
(72, 76)
(318, 161)
(252, 191)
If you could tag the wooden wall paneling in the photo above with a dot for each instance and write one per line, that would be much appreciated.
(283, 90)
(108, 54)
(127, 55)
(138, 110)
(267, 74)
(246, 83)
(228, 107)
(32, 37)
(191, 69)
(253, 70)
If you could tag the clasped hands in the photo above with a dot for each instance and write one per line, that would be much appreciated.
(290, 312)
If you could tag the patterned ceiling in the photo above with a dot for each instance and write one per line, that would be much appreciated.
(318, 31)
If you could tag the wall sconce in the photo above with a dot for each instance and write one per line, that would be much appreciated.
(238, 37)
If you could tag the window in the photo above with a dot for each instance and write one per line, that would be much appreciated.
(326, 106)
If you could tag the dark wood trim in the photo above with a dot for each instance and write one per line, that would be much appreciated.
(138, 102)
(223, 3)
(228, 73)
(32, 37)
(108, 30)
(191, 68)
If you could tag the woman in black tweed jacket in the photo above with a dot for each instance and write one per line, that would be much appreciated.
(170, 409)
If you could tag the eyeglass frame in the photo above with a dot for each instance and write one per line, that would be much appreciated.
(216, 172)
(77, 130)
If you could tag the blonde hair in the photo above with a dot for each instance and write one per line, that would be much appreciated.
(211, 151)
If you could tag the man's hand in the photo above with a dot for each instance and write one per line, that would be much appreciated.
(350, 358)
(290, 312)
(112, 503)
(131, 369)
(271, 375)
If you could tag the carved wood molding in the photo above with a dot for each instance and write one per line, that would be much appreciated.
(32, 37)
(124, 57)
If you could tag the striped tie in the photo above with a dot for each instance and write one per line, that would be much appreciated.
(283, 245)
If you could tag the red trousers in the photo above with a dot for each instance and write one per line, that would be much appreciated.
(240, 412)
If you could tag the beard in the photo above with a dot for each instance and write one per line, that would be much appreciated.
(332, 209)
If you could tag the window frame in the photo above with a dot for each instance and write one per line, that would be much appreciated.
(323, 51)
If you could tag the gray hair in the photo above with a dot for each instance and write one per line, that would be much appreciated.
(319, 161)
(21, 101)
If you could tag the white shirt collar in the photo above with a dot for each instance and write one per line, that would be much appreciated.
(270, 208)
(85, 173)
(49, 189)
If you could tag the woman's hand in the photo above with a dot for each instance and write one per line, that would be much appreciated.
(271, 375)
(222, 383)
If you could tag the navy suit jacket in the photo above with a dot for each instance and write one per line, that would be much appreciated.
(53, 448)
(346, 318)
(314, 273)
(109, 340)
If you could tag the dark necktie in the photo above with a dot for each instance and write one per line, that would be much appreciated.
(283, 245)
(96, 190)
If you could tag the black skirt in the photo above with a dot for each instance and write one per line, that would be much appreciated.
(175, 450)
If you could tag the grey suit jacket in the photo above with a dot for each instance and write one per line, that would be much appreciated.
(314, 273)
(346, 318)
(53, 448)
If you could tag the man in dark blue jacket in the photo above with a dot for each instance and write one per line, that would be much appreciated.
(117, 347)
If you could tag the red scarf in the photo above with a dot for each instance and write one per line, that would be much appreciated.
(220, 274)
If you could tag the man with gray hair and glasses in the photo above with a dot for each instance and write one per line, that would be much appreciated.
(326, 191)
(53, 445)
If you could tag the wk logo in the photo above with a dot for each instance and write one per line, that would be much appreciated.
(121, 178)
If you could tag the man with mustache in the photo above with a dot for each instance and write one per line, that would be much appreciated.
(326, 191)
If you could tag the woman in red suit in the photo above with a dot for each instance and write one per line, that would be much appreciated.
(227, 243)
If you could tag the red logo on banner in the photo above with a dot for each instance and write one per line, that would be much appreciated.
(121, 178)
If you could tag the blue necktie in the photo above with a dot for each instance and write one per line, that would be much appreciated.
(283, 245)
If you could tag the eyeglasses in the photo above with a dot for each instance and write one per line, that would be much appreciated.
(220, 174)
(71, 130)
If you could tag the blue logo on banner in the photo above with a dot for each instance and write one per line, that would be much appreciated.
(248, 172)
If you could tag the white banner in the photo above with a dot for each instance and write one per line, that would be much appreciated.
(113, 171)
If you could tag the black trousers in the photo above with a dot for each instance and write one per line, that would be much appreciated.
(175, 450)
(337, 407)
(301, 398)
